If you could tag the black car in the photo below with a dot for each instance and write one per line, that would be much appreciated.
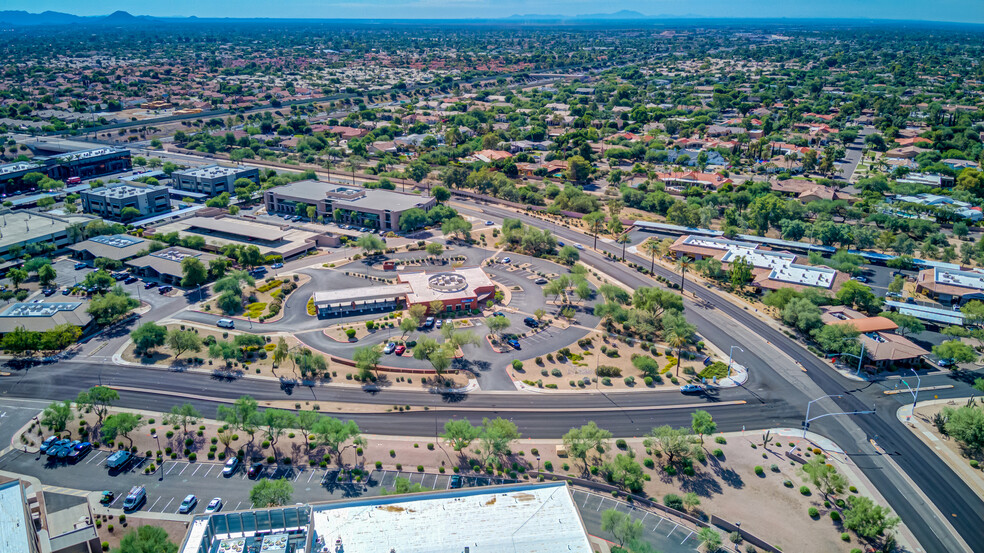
(48, 292)
(455, 482)
(254, 470)
(531, 322)
(149, 285)
(79, 451)
(164, 289)
(130, 280)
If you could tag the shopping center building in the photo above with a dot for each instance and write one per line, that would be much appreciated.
(460, 289)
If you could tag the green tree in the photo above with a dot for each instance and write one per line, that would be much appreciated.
(441, 194)
(854, 294)
(129, 213)
(594, 220)
(954, 352)
(367, 359)
(497, 435)
(183, 415)
(146, 539)
(966, 425)
(17, 276)
(434, 248)
(579, 442)
(413, 219)
(271, 493)
(740, 273)
(56, 416)
(120, 425)
(908, 324)
(21, 340)
(148, 336)
(457, 227)
(111, 306)
(867, 520)
(625, 471)
(276, 422)
(408, 324)
(702, 424)
(460, 433)
(839, 338)
(897, 284)
(677, 444)
(578, 169)
(181, 341)
(417, 170)
(370, 243)
(46, 275)
(403, 486)
(568, 255)
(332, 433)
(656, 301)
(621, 526)
(496, 324)
(97, 398)
(243, 414)
(280, 352)
(823, 476)
(194, 272)
(710, 539)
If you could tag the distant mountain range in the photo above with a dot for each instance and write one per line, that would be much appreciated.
(26, 19)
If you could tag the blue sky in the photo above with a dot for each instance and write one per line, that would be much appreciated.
(970, 11)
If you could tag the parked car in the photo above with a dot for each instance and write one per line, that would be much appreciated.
(225, 323)
(560, 244)
(440, 323)
(578, 246)
(135, 498)
(400, 349)
(66, 291)
(53, 448)
(65, 451)
(80, 266)
(119, 460)
(188, 504)
(79, 451)
(149, 285)
(489, 223)
(130, 280)
(213, 506)
(165, 289)
(531, 322)
(48, 442)
(254, 470)
(455, 481)
(429, 322)
(231, 466)
(691, 388)
(498, 314)
(506, 260)
(514, 343)
(860, 278)
(48, 292)
(388, 349)
(540, 280)
(295, 218)
(893, 295)
(278, 265)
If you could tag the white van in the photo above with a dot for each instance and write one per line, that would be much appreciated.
(135, 498)
(226, 323)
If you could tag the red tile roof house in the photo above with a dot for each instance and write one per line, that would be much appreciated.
(709, 181)
(881, 345)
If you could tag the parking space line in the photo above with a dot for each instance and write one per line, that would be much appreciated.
(197, 469)
(115, 499)
(675, 526)
(219, 474)
(310, 477)
(208, 471)
(173, 466)
(687, 538)
(658, 522)
(94, 457)
(155, 503)
(184, 469)
(237, 506)
(299, 473)
(168, 503)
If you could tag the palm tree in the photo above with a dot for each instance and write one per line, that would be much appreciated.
(677, 341)
(652, 247)
(682, 264)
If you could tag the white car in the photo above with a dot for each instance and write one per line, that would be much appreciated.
(506, 260)
(489, 223)
(691, 388)
(214, 506)
(188, 505)
(578, 246)
(388, 349)
(230, 466)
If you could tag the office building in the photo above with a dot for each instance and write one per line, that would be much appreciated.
(371, 208)
(213, 180)
(109, 201)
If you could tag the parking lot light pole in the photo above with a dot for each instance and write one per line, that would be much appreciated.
(730, 353)
(161, 467)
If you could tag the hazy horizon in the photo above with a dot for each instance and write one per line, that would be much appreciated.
(959, 11)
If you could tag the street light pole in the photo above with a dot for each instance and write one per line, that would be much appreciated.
(915, 393)
(161, 467)
(730, 352)
(808, 420)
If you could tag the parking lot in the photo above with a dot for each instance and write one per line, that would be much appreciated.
(662, 533)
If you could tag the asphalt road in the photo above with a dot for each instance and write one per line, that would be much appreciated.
(761, 342)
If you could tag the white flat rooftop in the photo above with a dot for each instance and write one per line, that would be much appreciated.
(535, 518)
(963, 279)
(782, 265)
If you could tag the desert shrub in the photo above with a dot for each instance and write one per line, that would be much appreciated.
(673, 501)
(813, 512)
(608, 370)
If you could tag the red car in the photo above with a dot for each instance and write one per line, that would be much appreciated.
(400, 349)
